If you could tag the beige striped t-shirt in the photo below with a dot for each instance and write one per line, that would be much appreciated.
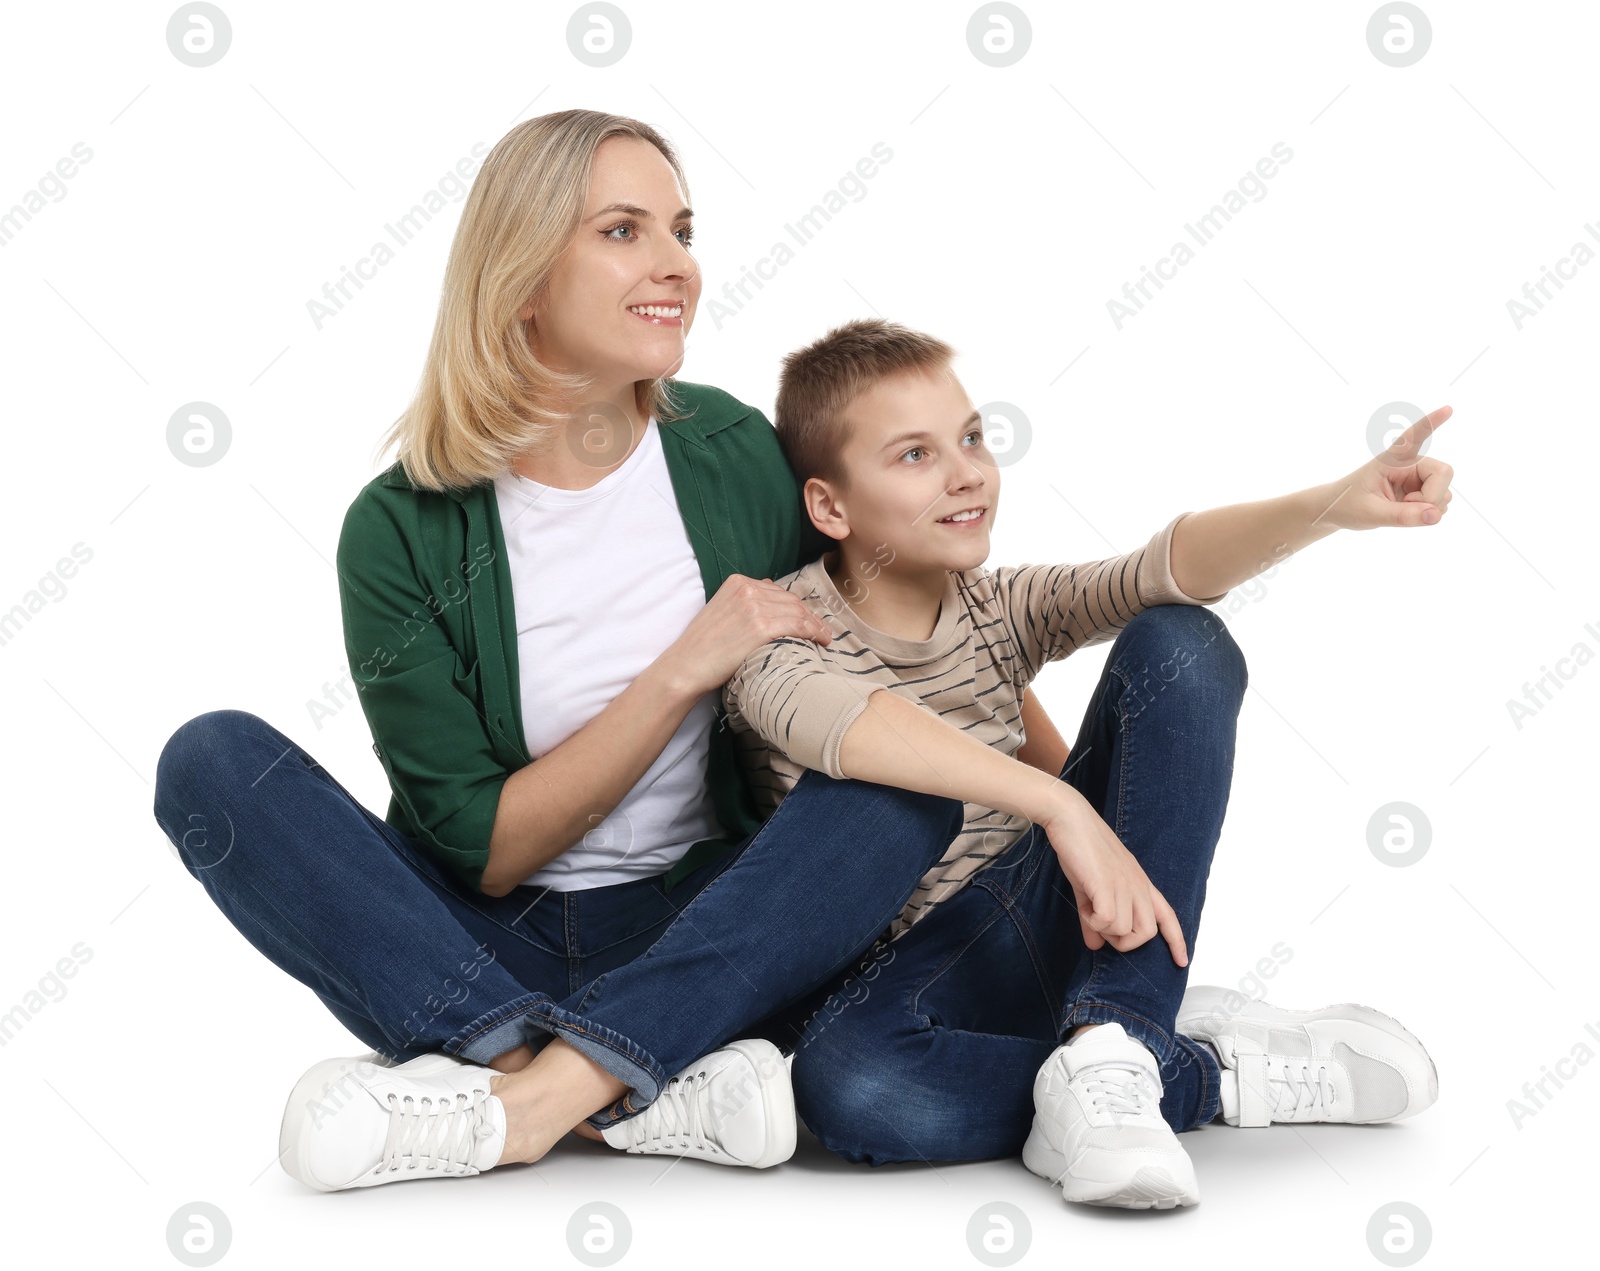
(791, 700)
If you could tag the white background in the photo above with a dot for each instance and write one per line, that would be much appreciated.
(1378, 267)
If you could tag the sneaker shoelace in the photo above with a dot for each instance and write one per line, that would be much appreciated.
(1297, 1089)
(443, 1138)
(1117, 1088)
(674, 1119)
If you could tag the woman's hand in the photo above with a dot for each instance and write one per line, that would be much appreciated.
(744, 614)
(1117, 903)
(1397, 487)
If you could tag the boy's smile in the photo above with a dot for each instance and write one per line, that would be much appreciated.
(966, 517)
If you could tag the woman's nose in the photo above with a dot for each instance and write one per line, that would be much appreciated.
(676, 261)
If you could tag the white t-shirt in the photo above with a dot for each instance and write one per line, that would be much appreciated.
(603, 580)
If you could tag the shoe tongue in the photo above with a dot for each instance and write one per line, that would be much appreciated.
(1107, 1042)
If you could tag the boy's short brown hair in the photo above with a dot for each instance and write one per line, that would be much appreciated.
(819, 381)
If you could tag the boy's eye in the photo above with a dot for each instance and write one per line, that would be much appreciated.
(917, 450)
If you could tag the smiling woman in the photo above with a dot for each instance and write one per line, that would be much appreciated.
(571, 554)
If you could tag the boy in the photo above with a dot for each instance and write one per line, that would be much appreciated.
(933, 1061)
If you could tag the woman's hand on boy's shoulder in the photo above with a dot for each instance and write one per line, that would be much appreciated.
(1400, 486)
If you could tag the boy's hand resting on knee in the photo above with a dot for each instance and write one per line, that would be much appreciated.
(1117, 903)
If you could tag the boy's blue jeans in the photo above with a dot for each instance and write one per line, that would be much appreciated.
(645, 981)
(929, 1049)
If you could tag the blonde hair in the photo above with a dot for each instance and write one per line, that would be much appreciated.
(484, 397)
(819, 381)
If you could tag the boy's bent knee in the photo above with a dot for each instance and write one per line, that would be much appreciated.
(1167, 642)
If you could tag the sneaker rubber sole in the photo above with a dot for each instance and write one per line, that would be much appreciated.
(1149, 1188)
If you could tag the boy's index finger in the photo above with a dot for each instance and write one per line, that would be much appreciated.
(1417, 434)
(1172, 929)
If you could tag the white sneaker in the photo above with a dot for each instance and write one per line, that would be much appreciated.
(356, 1122)
(1344, 1063)
(1098, 1128)
(734, 1107)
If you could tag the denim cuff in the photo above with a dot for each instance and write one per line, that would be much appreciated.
(1159, 1042)
(1198, 1053)
(623, 1059)
(495, 1031)
(1173, 1052)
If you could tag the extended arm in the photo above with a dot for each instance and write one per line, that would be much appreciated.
(1218, 549)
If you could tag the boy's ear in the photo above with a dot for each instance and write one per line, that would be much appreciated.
(822, 506)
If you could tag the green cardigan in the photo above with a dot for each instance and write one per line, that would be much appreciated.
(431, 635)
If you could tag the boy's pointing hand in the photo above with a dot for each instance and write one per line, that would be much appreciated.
(1401, 486)
(1117, 903)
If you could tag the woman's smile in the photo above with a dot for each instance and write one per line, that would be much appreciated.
(663, 313)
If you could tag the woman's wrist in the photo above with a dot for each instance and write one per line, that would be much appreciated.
(667, 680)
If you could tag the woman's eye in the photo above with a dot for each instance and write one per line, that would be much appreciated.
(915, 450)
(684, 235)
(978, 433)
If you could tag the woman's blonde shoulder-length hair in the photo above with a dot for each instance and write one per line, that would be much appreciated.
(484, 397)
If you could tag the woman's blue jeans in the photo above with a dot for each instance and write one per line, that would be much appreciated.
(642, 980)
(935, 1055)
(928, 1050)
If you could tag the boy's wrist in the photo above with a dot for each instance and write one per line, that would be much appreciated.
(1315, 503)
(1053, 799)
